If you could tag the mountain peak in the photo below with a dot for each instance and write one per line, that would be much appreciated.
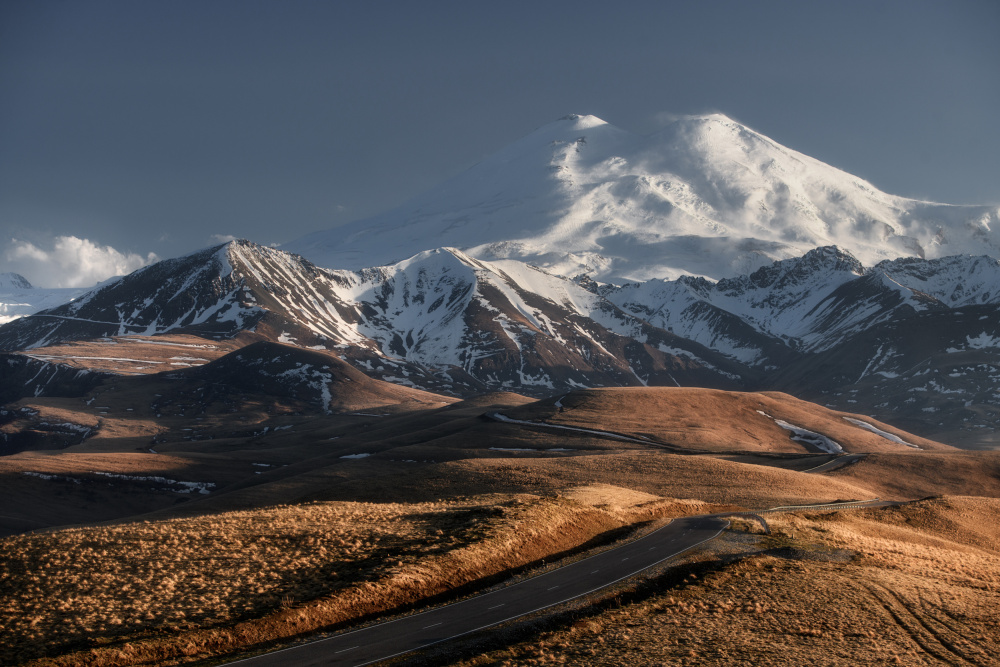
(12, 280)
(704, 196)
(582, 121)
(569, 128)
(826, 261)
(714, 131)
(714, 117)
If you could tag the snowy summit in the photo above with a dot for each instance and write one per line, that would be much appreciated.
(705, 196)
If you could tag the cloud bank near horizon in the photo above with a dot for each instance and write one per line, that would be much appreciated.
(71, 262)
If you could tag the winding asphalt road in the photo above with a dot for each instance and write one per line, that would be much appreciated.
(402, 635)
(409, 633)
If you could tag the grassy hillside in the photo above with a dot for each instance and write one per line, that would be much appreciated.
(236, 519)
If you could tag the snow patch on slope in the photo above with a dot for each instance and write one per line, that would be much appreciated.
(807, 437)
(885, 434)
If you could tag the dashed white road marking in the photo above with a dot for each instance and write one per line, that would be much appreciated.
(345, 650)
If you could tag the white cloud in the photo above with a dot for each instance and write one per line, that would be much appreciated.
(72, 262)
(221, 238)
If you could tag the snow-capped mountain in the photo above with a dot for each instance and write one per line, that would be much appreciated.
(808, 303)
(19, 298)
(912, 338)
(9, 281)
(440, 320)
(705, 196)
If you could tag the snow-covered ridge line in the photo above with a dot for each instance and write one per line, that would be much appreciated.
(810, 303)
(450, 323)
(19, 299)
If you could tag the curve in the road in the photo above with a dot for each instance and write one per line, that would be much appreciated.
(836, 463)
(747, 515)
(409, 633)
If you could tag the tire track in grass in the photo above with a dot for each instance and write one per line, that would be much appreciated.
(921, 635)
(972, 651)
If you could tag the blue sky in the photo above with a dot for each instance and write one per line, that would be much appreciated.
(155, 127)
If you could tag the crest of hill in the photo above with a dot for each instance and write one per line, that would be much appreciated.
(496, 400)
(719, 421)
(314, 376)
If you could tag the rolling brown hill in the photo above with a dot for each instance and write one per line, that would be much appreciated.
(311, 477)
(718, 421)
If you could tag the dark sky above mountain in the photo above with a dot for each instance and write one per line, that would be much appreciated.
(129, 128)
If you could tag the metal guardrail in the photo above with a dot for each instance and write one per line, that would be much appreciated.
(835, 459)
(749, 515)
(852, 503)
(756, 515)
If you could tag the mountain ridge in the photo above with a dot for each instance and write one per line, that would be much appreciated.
(441, 319)
(446, 322)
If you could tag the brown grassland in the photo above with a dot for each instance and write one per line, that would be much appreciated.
(317, 521)
(911, 585)
(703, 419)
(172, 589)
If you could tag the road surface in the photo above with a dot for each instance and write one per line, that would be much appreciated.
(378, 642)
(836, 463)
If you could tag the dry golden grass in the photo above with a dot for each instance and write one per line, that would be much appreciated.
(905, 476)
(221, 447)
(387, 476)
(60, 410)
(714, 420)
(63, 586)
(154, 590)
(206, 579)
(717, 480)
(669, 475)
(916, 585)
(75, 463)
